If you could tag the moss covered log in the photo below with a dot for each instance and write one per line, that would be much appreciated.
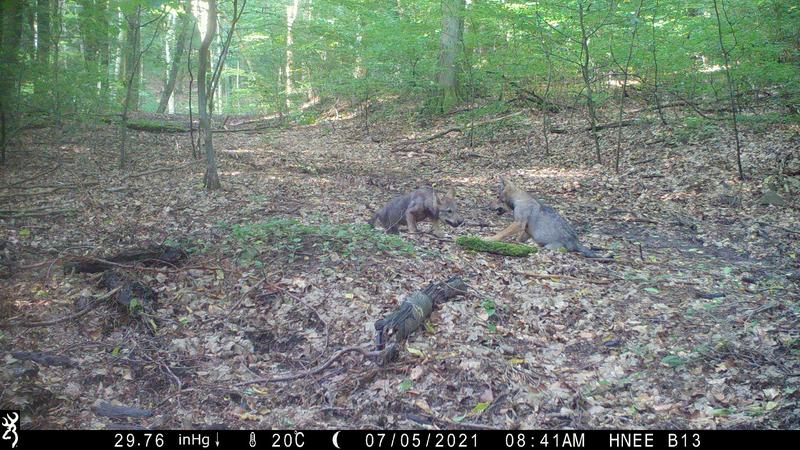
(477, 244)
(157, 126)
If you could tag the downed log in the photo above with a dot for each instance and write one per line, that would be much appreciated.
(459, 129)
(477, 244)
(605, 126)
(157, 255)
(413, 312)
(119, 411)
(156, 126)
(44, 359)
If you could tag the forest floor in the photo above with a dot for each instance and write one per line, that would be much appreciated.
(695, 325)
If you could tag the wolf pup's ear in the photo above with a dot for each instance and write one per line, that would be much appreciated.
(451, 193)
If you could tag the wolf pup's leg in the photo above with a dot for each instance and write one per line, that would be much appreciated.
(410, 221)
(511, 230)
(437, 228)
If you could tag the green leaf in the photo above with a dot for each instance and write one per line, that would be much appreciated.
(479, 408)
(673, 361)
(405, 385)
(415, 352)
(771, 405)
(490, 307)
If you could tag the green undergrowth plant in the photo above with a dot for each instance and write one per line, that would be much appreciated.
(294, 239)
(695, 129)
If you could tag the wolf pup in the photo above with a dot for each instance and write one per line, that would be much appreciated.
(419, 205)
(537, 220)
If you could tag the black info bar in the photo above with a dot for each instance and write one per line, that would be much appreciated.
(400, 439)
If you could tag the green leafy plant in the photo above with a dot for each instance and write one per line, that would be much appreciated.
(293, 238)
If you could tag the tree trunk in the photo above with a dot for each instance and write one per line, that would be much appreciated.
(94, 29)
(132, 79)
(618, 153)
(656, 95)
(57, 31)
(12, 21)
(104, 53)
(132, 43)
(731, 90)
(211, 178)
(87, 18)
(180, 46)
(44, 40)
(587, 80)
(451, 41)
(291, 15)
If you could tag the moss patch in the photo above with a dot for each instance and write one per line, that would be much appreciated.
(477, 244)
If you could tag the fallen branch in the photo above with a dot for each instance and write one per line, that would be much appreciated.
(81, 313)
(790, 230)
(57, 187)
(41, 212)
(34, 177)
(548, 276)
(605, 126)
(305, 373)
(159, 170)
(459, 129)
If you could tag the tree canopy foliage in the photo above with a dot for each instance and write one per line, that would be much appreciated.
(297, 58)
(287, 54)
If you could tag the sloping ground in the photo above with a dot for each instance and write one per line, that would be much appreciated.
(695, 325)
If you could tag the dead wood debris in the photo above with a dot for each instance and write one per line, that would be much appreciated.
(399, 324)
(413, 312)
(119, 411)
(150, 256)
(44, 359)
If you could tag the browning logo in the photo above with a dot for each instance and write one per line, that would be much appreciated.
(9, 420)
